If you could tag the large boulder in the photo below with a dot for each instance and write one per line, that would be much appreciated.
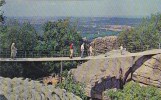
(20, 89)
(104, 44)
(102, 74)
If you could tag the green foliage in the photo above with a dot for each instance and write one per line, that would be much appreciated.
(146, 36)
(1, 18)
(71, 86)
(2, 2)
(48, 67)
(24, 69)
(133, 91)
(27, 37)
(11, 70)
(58, 35)
(24, 36)
(56, 39)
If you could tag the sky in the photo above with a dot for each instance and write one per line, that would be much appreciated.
(81, 8)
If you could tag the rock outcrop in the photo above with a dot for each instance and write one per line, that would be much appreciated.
(104, 44)
(102, 74)
(19, 89)
(149, 73)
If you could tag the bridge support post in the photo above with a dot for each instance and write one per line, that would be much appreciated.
(61, 69)
(159, 45)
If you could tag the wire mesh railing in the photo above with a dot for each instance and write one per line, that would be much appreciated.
(132, 49)
(6, 53)
(40, 53)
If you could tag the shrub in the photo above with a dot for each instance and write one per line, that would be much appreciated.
(71, 86)
(133, 91)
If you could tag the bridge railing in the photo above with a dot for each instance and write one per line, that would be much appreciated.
(39, 53)
(64, 53)
(131, 50)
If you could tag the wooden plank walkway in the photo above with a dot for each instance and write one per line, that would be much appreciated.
(149, 52)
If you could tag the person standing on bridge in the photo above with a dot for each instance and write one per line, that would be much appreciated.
(71, 50)
(90, 50)
(121, 49)
(13, 51)
(82, 50)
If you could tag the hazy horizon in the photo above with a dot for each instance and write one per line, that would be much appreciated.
(81, 8)
(71, 17)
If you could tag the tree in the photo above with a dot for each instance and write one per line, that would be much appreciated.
(27, 37)
(56, 35)
(2, 2)
(59, 34)
(146, 36)
(55, 41)
(23, 35)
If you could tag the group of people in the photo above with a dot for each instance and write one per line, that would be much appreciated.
(82, 50)
(14, 50)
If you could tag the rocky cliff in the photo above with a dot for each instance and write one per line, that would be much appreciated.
(20, 89)
(102, 74)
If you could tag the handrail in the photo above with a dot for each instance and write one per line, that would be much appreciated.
(5, 53)
(39, 53)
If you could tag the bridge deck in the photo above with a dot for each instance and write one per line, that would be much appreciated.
(149, 52)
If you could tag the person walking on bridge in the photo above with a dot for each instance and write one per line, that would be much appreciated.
(82, 50)
(90, 50)
(71, 50)
(121, 49)
(13, 51)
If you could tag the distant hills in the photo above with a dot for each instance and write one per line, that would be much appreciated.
(87, 20)
(86, 25)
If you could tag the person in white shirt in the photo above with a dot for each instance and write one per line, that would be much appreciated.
(13, 51)
(90, 50)
(82, 50)
(121, 49)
